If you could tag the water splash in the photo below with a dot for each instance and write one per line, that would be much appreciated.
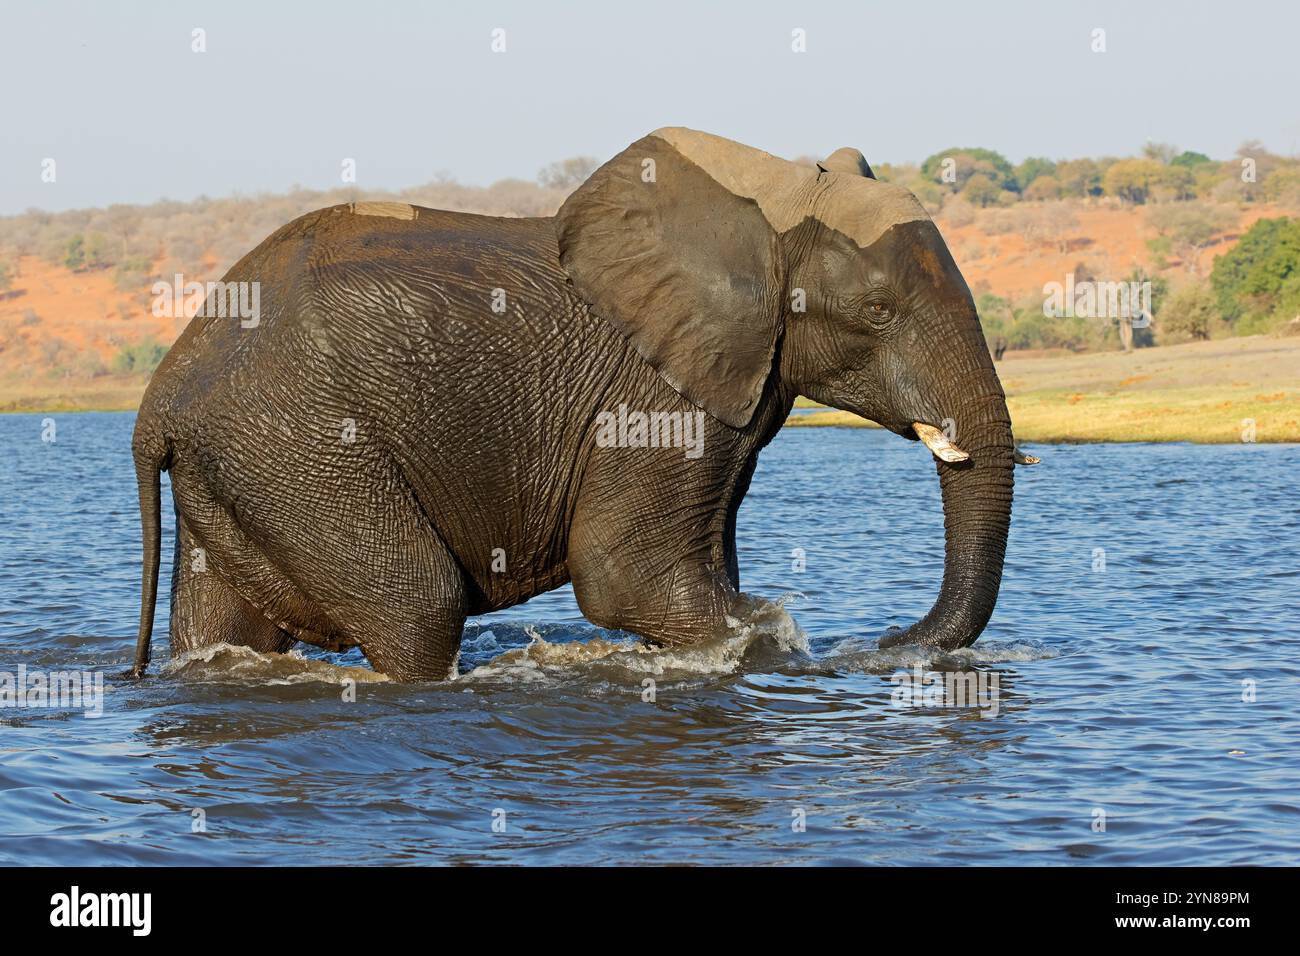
(761, 637)
(762, 633)
(858, 655)
(231, 664)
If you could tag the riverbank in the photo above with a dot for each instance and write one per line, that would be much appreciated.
(1206, 392)
(104, 393)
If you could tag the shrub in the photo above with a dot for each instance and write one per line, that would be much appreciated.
(82, 253)
(1191, 313)
(141, 357)
(958, 213)
(1188, 228)
(1283, 187)
(1257, 275)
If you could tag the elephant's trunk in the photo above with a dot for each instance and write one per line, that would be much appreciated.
(977, 512)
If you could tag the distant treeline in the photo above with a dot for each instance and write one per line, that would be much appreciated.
(1163, 173)
(203, 238)
(1192, 201)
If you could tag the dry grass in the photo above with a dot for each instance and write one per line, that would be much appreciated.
(1199, 392)
(107, 393)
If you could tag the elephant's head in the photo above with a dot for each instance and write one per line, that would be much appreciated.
(725, 266)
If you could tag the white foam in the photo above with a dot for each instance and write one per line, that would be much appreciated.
(764, 624)
(229, 663)
(760, 637)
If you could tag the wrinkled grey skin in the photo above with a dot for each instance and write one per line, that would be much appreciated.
(688, 274)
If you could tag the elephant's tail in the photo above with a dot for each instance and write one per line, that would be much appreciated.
(150, 460)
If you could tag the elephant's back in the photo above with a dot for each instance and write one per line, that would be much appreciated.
(348, 285)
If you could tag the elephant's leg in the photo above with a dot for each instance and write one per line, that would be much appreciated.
(669, 594)
(206, 611)
(406, 602)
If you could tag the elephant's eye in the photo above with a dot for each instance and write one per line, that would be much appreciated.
(877, 308)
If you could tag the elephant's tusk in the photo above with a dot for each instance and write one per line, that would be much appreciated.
(1021, 458)
(938, 443)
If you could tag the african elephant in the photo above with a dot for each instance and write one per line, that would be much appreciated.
(439, 414)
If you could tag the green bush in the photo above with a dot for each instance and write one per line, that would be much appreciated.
(82, 253)
(1258, 279)
(1190, 159)
(1024, 326)
(141, 357)
(1191, 313)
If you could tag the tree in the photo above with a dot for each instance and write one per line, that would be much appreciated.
(1079, 177)
(1247, 173)
(1258, 272)
(1043, 187)
(1161, 153)
(1032, 169)
(1283, 186)
(968, 162)
(1190, 160)
(1131, 179)
(568, 173)
(981, 191)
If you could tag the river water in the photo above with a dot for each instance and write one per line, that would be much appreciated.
(1136, 691)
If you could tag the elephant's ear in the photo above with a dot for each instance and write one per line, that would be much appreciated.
(689, 271)
(846, 159)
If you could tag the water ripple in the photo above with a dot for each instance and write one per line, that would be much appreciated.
(1144, 656)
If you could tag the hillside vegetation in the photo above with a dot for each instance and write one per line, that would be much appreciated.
(1215, 239)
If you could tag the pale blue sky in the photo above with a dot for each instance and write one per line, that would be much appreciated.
(287, 90)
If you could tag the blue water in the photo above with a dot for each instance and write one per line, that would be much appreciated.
(1120, 734)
